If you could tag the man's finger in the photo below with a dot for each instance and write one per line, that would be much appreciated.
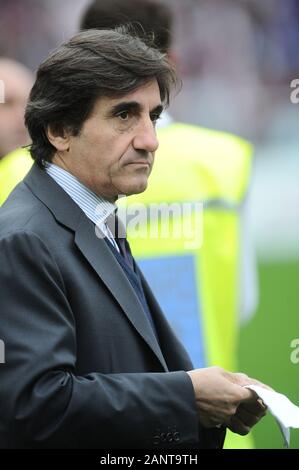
(247, 418)
(257, 407)
(248, 396)
(237, 426)
(243, 380)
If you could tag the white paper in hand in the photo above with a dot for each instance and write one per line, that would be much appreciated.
(285, 412)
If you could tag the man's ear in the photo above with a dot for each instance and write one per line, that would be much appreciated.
(58, 137)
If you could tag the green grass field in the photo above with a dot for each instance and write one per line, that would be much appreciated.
(264, 349)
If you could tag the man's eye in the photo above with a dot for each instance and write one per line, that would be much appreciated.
(123, 115)
(155, 117)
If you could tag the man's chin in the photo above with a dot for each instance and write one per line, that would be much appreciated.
(136, 188)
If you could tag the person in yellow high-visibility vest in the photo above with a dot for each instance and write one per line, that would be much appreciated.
(15, 83)
(198, 282)
(193, 258)
(213, 170)
(196, 276)
(13, 168)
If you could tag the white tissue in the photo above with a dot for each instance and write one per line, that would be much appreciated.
(285, 412)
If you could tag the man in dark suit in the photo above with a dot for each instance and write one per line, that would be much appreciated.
(90, 360)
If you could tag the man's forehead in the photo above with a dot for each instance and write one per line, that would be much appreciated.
(147, 95)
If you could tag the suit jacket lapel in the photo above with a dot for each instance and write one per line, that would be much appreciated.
(95, 251)
(107, 267)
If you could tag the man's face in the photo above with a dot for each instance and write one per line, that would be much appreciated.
(17, 84)
(114, 153)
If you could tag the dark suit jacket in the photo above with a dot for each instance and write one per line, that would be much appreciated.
(83, 366)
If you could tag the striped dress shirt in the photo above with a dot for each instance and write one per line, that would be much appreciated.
(96, 208)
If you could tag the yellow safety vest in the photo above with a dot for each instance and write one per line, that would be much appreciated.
(13, 168)
(197, 286)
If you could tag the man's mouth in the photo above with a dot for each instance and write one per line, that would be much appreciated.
(142, 162)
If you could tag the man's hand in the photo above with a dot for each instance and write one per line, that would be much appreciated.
(222, 399)
(246, 416)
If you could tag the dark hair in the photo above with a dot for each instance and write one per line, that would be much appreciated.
(155, 18)
(91, 65)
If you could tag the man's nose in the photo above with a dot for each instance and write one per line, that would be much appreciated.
(146, 138)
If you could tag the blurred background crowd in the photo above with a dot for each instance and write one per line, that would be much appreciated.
(237, 60)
